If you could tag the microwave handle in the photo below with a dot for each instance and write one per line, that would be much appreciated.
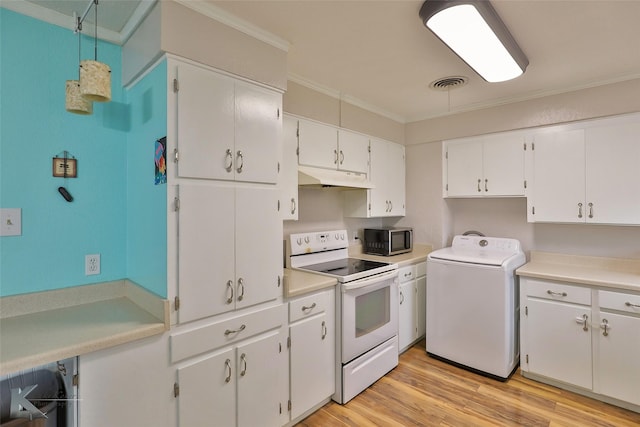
(409, 236)
(357, 284)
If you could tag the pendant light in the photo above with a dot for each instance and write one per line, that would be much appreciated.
(74, 102)
(95, 77)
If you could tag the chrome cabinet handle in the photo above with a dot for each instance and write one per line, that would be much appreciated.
(479, 190)
(341, 157)
(605, 327)
(556, 294)
(227, 364)
(583, 321)
(311, 307)
(240, 160)
(228, 160)
(240, 288)
(401, 297)
(390, 206)
(230, 288)
(335, 157)
(243, 359)
(486, 181)
(293, 205)
(324, 330)
(579, 210)
(628, 304)
(590, 210)
(234, 331)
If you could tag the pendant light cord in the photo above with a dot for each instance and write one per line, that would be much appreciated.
(95, 52)
(79, 31)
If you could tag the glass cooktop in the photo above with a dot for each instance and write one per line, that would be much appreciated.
(345, 267)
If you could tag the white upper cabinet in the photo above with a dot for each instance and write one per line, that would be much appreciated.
(486, 166)
(328, 147)
(558, 177)
(387, 174)
(226, 129)
(587, 174)
(288, 177)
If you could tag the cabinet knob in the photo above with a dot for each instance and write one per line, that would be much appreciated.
(293, 206)
(240, 289)
(227, 364)
(605, 327)
(230, 291)
(583, 321)
(243, 360)
(479, 190)
(579, 210)
(239, 161)
(486, 182)
(228, 165)
(590, 210)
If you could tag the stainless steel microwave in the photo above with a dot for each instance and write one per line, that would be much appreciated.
(388, 241)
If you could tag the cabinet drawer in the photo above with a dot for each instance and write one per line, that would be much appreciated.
(421, 269)
(309, 305)
(406, 274)
(558, 292)
(619, 301)
(197, 340)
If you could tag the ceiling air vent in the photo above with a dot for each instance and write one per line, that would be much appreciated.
(448, 83)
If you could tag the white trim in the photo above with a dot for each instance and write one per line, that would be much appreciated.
(161, 57)
(224, 17)
(302, 81)
(141, 12)
(56, 18)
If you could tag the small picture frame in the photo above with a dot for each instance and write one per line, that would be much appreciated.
(61, 164)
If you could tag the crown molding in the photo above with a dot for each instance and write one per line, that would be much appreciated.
(295, 78)
(224, 17)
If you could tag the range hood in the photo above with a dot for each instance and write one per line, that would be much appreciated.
(318, 177)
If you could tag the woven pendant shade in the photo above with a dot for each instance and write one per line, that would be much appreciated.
(95, 81)
(74, 102)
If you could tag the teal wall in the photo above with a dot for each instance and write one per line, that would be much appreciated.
(147, 202)
(36, 59)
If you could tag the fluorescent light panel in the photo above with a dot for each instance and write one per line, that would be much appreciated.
(474, 32)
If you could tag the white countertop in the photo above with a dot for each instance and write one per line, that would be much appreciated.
(44, 327)
(614, 273)
(418, 254)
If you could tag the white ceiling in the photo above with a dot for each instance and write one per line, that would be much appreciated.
(379, 53)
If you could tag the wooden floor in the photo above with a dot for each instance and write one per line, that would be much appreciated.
(422, 391)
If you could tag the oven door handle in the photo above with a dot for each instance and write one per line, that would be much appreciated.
(357, 284)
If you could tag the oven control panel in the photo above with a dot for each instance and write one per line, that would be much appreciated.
(306, 243)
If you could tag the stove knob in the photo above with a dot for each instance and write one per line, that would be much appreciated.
(299, 241)
(306, 239)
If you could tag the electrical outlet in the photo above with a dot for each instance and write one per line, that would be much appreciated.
(91, 264)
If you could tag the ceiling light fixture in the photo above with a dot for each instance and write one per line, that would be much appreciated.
(473, 30)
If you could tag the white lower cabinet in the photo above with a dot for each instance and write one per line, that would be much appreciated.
(232, 372)
(312, 352)
(127, 385)
(582, 336)
(412, 300)
(618, 347)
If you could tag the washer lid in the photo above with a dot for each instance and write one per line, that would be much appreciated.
(479, 250)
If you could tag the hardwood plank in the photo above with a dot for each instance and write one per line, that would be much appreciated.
(422, 391)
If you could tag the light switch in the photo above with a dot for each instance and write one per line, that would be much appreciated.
(10, 222)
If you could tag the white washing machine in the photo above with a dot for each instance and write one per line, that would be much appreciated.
(473, 304)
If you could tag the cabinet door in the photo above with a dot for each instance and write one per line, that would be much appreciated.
(258, 246)
(395, 178)
(613, 174)
(617, 372)
(503, 166)
(259, 376)
(378, 196)
(258, 132)
(421, 304)
(407, 326)
(206, 246)
(312, 365)
(558, 177)
(464, 169)
(288, 179)
(205, 123)
(208, 391)
(558, 346)
(318, 145)
(353, 152)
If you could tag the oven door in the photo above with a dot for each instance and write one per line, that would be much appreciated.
(369, 313)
